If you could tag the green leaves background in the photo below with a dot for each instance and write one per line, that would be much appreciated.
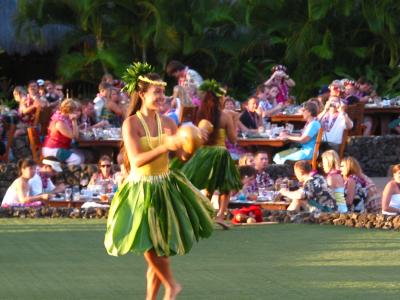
(234, 41)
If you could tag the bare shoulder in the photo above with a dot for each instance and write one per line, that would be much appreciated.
(391, 185)
(224, 118)
(131, 121)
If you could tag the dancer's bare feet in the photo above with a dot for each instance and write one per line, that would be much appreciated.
(221, 222)
(173, 292)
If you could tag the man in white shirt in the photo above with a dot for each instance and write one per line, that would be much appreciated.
(41, 182)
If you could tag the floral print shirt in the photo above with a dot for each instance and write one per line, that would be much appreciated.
(318, 194)
(360, 194)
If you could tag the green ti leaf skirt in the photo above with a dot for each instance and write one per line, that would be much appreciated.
(212, 168)
(164, 213)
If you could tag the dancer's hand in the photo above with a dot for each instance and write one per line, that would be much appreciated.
(172, 142)
(204, 135)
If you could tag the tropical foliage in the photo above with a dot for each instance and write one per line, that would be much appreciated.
(234, 41)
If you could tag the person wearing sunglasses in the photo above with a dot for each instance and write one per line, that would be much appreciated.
(104, 173)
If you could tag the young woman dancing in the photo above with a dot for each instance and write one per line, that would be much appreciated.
(212, 167)
(156, 211)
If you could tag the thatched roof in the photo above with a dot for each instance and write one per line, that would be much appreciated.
(51, 35)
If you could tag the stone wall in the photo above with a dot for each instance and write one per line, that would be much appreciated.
(376, 154)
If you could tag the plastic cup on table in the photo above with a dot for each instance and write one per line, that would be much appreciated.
(68, 194)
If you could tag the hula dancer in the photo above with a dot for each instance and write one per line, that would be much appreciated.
(156, 212)
(212, 167)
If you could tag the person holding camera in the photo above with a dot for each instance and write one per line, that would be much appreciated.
(281, 79)
(334, 120)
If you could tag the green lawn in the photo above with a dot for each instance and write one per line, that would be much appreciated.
(65, 259)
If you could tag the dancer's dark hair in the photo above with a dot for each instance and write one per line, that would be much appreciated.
(210, 110)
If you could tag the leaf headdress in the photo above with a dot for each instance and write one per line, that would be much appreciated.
(213, 86)
(136, 72)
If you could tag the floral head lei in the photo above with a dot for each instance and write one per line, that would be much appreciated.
(137, 72)
(279, 68)
(212, 86)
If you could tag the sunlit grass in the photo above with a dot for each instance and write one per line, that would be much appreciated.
(65, 259)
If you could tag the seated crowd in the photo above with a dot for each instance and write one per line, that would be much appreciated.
(342, 187)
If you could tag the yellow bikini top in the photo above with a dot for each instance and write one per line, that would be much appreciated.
(159, 165)
(220, 141)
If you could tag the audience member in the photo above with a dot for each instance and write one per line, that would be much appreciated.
(247, 159)
(41, 182)
(107, 78)
(249, 117)
(263, 179)
(166, 109)
(18, 193)
(248, 178)
(100, 99)
(63, 128)
(29, 104)
(334, 121)
(331, 166)
(180, 93)
(267, 101)
(58, 89)
(355, 184)
(185, 76)
(366, 91)
(307, 139)
(315, 195)
(391, 194)
(336, 89)
(104, 173)
(52, 98)
(120, 176)
(111, 110)
(350, 92)
(281, 79)
(87, 117)
(19, 94)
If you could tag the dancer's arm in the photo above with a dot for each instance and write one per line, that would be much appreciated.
(170, 129)
(230, 128)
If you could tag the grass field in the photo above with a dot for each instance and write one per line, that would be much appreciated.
(65, 259)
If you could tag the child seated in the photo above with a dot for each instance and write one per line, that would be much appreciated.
(315, 195)
(331, 166)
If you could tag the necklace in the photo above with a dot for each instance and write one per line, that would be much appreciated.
(147, 131)
(328, 122)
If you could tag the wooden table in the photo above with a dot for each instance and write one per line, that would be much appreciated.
(287, 118)
(99, 143)
(381, 116)
(270, 145)
(109, 147)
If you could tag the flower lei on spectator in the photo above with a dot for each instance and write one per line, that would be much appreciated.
(57, 116)
(326, 125)
(137, 72)
(212, 86)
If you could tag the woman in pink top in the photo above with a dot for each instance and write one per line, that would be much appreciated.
(62, 129)
(280, 79)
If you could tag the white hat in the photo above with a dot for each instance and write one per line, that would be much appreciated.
(40, 82)
(54, 164)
